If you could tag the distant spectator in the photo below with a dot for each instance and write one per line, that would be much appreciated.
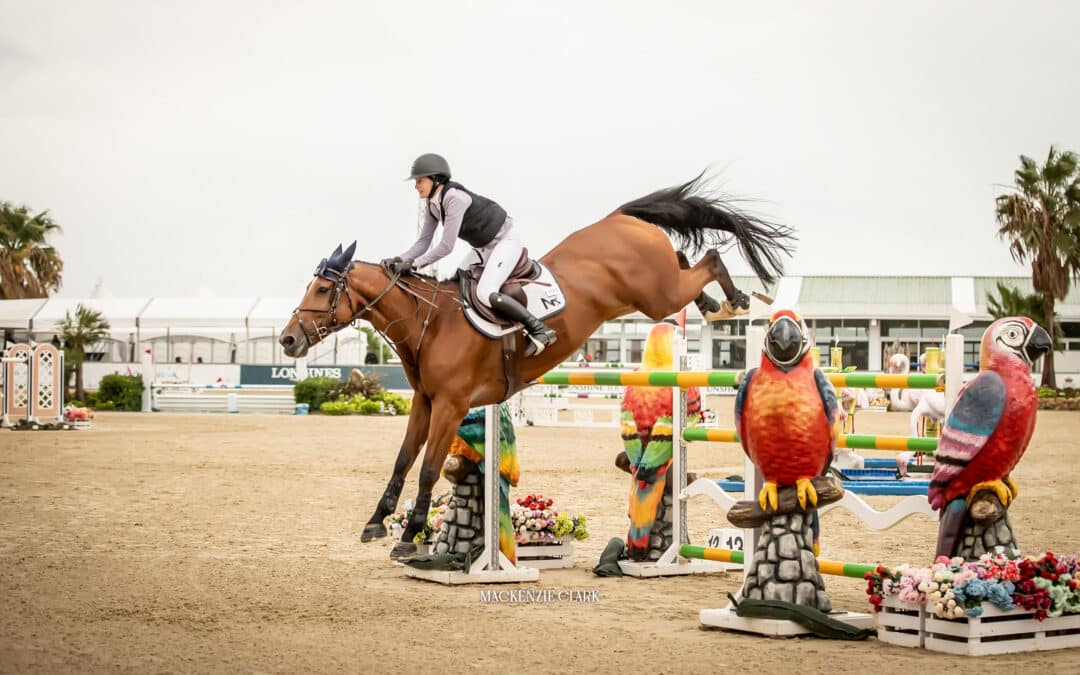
(371, 358)
(198, 359)
(178, 360)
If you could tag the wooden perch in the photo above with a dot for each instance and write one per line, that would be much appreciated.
(748, 512)
(986, 508)
(456, 468)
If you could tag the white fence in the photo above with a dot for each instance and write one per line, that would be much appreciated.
(270, 398)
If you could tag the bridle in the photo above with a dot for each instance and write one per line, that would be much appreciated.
(340, 279)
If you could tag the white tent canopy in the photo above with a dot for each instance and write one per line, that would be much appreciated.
(18, 314)
(270, 314)
(121, 313)
(211, 317)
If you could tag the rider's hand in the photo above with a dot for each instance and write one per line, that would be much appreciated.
(388, 263)
(401, 267)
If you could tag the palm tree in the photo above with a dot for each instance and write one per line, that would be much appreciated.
(86, 328)
(29, 267)
(1041, 222)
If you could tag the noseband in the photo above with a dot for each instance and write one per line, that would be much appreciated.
(340, 278)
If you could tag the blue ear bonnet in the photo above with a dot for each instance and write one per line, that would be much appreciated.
(337, 264)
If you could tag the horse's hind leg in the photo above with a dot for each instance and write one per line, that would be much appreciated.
(736, 299)
(705, 302)
(417, 431)
(446, 417)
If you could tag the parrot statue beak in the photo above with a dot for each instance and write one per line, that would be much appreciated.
(784, 343)
(1038, 343)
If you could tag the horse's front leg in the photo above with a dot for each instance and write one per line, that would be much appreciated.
(417, 431)
(447, 412)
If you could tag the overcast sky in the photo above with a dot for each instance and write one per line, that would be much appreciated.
(225, 147)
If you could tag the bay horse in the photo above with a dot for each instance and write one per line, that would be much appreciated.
(623, 263)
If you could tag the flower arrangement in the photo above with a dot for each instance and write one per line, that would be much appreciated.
(76, 414)
(400, 520)
(953, 588)
(536, 522)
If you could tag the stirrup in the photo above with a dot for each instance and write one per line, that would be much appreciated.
(536, 346)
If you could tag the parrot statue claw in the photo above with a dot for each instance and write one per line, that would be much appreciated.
(768, 496)
(996, 486)
(806, 491)
(1011, 484)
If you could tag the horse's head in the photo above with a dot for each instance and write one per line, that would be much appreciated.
(327, 305)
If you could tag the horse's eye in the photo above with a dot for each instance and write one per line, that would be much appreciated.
(323, 290)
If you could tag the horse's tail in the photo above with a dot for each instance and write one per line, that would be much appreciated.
(706, 220)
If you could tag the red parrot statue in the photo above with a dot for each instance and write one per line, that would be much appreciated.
(646, 434)
(988, 428)
(786, 413)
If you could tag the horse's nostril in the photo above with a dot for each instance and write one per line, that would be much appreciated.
(287, 340)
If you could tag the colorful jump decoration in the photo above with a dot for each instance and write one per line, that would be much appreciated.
(985, 435)
(462, 527)
(788, 417)
(648, 446)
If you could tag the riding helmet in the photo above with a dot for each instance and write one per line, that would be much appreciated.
(429, 164)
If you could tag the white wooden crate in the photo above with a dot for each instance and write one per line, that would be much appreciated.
(998, 632)
(546, 556)
(994, 632)
(900, 623)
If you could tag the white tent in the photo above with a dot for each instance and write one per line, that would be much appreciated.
(19, 314)
(121, 313)
(209, 317)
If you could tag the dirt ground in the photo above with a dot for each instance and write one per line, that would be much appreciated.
(203, 543)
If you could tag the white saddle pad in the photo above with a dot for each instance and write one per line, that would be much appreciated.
(545, 299)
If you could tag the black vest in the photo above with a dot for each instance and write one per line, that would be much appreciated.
(481, 221)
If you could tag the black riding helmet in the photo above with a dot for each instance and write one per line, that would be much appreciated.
(429, 164)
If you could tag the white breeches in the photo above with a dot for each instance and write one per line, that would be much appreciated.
(499, 257)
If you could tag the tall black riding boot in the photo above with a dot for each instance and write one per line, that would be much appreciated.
(540, 336)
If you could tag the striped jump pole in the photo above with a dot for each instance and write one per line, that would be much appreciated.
(886, 381)
(703, 378)
(726, 378)
(855, 441)
(838, 569)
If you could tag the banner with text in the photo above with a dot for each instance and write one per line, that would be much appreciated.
(391, 377)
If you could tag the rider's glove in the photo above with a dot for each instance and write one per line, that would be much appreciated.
(401, 267)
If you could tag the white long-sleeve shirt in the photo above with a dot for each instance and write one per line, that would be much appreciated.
(457, 202)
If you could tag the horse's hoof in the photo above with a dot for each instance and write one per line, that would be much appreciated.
(403, 549)
(707, 304)
(727, 311)
(373, 531)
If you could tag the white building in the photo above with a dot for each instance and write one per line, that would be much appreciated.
(864, 315)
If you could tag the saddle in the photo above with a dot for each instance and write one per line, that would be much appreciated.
(526, 270)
